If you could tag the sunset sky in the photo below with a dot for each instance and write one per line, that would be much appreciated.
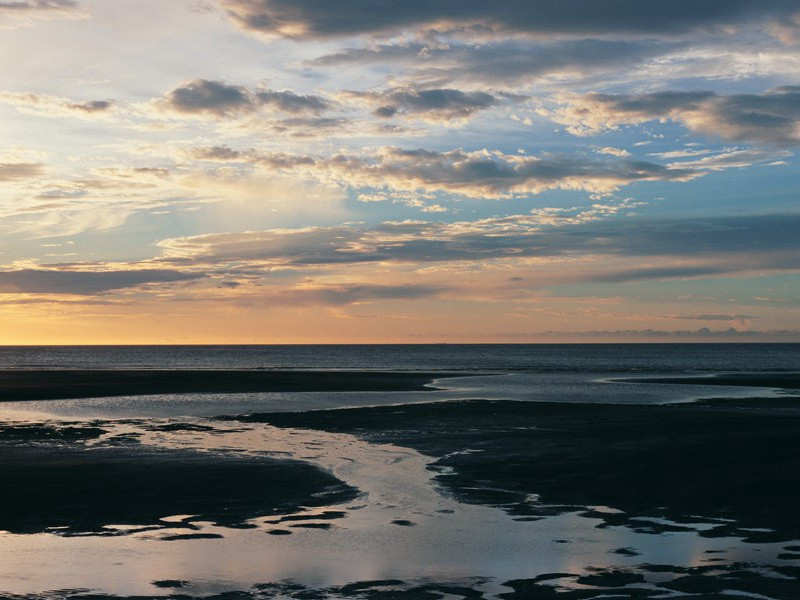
(259, 171)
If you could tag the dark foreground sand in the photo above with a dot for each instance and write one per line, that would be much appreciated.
(50, 480)
(773, 380)
(694, 583)
(674, 461)
(733, 463)
(18, 385)
(689, 463)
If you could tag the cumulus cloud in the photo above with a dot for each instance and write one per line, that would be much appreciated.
(479, 174)
(772, 117)
(219, 99)
(314, 19)
(433, 105)
(613, 151)
(51, 281)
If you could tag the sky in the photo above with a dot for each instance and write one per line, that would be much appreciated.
(376, 171)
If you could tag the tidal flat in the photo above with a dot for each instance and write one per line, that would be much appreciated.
(444, 498)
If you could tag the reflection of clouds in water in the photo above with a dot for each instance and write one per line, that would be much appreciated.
(541, 387)
(451, 540)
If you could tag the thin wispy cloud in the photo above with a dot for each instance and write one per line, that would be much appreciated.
(50, 281)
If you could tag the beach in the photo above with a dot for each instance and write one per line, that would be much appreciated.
(405, 486)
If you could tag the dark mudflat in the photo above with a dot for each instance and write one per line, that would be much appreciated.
(667, 582)
(768, 380)
(82, 490)
(675, 461)
(56, 384)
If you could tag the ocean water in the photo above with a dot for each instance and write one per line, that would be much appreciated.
(529, 358)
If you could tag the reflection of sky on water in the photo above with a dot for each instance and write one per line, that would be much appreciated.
(450, 541)
(538, 387)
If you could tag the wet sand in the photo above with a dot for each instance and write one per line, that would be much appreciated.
(768, 380)
(649, 461)
(53, 482)
(675, 461)
(694, 583)
(722, 471)
(18, 385)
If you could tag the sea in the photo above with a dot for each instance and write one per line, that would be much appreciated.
(689, 358)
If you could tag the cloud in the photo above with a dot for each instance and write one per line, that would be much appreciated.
(504, 62)
(55, 106)
(16, 171)
(668, 272)
(39, 9)
(478, 174)
(663, 249)
(701, 333)
(91, 106)
(211, 97)
(218, 99)
(217, 153)
(24, 6)
(315, 19)
(715, 317)
(734, 158)
(734, 318)
(48, 281)
(101, 199)
(613, 151)
(433, 105)
(290, 102)
(351, 293)
(772, 117)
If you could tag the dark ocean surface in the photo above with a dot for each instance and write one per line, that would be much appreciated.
(533, 358)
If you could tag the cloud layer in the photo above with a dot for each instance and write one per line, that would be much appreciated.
(443, 104)
(479, 174)
(315, 19)
(772, 117)
(50, 281)
(671, 248)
